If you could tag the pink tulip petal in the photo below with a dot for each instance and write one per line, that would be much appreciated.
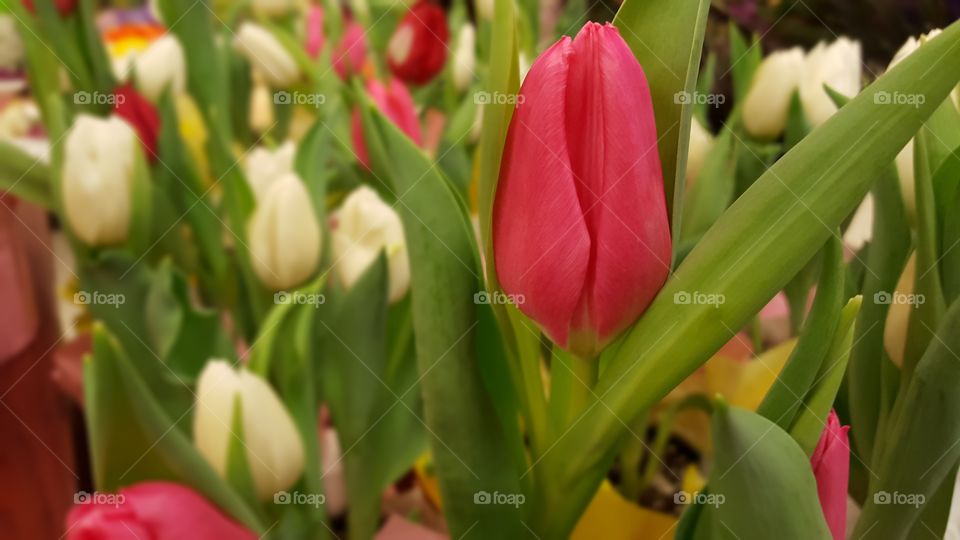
(612, 138)
(831, 467)
(541, 241)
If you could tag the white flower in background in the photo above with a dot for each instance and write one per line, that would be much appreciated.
(701, 141)
(904, 160)
(17, 118)
(485, 9)
(11, 46)
(364, 226)
(264, 166)
(261, 107)
(266, 54)
(898, 318)
(860, 229)
(273, 446)
(98, 178)
(836, 65)
(465, 57)
(767, 104)
(273, 8)
(160, 66)
(284, 235)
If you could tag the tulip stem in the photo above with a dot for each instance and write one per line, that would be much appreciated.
(572, 382)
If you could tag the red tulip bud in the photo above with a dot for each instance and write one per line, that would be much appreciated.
(418, 47)
(351, 53)
(65, 7)
(580, 231)
(395, 101)
(831, 467)
(154, 510)
(141, 115)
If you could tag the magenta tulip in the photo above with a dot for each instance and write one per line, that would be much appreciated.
(394, 101)
(314, 30)
(154, 510)
(351, 53)
(418, 48)
(831, 467)
(580, 231)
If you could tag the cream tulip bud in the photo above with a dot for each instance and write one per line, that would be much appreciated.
(266, 54)
(902, 304)
(767, 104)
(272, 8)
(264, 166)
(162, 65)
(284, 235)
(701, 141)
(364, 226)
(98, 178)
(836, 65)
(485, 9)
(860, 229)
(273, 447)
(465, 57)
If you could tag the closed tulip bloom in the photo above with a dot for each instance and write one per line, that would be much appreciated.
(351, 53)
(580, 228)
(418, 48)
(267, 55)
(898, 316)
(154, 510)
(273, 447)
(836, 65)
(363, 227)
(284, 235)
(767, 103)
(315, 36)
(396, 103)
(465, 57)
(831, 468)
(264, 166)
(98, 179)
(701, 142)
(141, 115)
(161, 66)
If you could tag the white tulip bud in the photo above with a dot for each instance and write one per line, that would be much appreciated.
(265, 166)
(364, 226)
(11, 46)
(261, 108)
(898, 317)
(836, 65)
(701, 141)
(273, 8)
(465, 57)
(266, 54)
(98, 178)
(767, 104)
(162, 65)
(284, 235)
(272, 444)
(860, 229)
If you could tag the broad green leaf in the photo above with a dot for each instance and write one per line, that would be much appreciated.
(926, 433)
(133, 440)
(667, 38)
(704, 87)
(784, 398)
(950, 244)
(749, 254)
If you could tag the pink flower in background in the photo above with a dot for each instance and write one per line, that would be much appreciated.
(418, 48)
(580, 231)
(314, 43)
(65, 7)
(831, 467)
(394, 101)
(154, 510)
(351, 53)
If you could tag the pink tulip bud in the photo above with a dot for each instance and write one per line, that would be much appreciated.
(831, 467)
(155, 510)
(314, 41)
(580, 231)
(395, 101)
(351, 53)
(418, 47)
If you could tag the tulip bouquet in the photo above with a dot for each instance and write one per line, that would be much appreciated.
(328, 251)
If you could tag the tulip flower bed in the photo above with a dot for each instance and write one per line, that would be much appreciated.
(470, 270)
